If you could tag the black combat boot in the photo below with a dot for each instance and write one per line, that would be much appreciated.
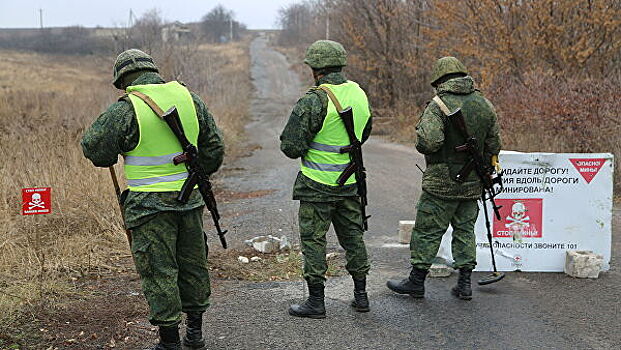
(361, 300)
(463, 290)
(414, 285)
(169, 339)
(194, 331)
(313, 307)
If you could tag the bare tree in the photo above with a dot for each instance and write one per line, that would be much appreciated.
(302, 23)
(147, 31)
(560, 37)
(219, 25)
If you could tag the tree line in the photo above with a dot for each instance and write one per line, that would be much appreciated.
(551, 67)
(149, 32)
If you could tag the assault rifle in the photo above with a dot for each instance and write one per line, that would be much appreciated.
(196, 173)
(491, 180)
(356, 165)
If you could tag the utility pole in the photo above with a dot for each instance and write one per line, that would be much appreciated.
(41, 18)
(327, 9)
(131, 18)
(231, 29)
(328, 26)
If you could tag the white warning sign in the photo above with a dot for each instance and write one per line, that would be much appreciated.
(551, 203)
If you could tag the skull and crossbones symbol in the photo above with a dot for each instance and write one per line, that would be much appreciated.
(518, 220)
(518, 217)
(36, 202)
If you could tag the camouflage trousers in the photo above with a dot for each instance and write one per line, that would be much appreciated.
(169, 253)
(433, 217)
(315, 219)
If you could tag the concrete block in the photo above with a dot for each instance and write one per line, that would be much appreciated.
(405, 231)
(266, 245)
(284, 245)
(269, 244)
(332, 255)
(583, 263)
(440, 270)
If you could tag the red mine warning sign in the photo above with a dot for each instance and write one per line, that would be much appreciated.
(588, 168)
(36, 200)
(520, 218)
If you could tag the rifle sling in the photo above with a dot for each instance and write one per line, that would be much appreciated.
(442, 105)
(146, 99)
(338, 106)
(332, 97)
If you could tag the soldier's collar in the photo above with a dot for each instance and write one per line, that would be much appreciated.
(458, 86)
(334, 78)
(148, 78)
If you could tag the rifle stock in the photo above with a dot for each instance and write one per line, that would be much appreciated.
(171, 117)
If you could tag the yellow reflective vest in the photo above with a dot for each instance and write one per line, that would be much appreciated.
(323, 162)
(149, 166)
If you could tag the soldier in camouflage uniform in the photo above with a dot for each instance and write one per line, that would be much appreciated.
(444, 201)
(168, 246)
(315, 134)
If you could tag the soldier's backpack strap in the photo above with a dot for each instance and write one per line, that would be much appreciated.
(332, 97)
(146, 99)
(442, 105)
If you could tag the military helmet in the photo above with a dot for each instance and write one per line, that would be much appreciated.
(130, 61)
(445, 66)
(325, 53)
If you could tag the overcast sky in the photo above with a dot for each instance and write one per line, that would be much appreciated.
(256, 14)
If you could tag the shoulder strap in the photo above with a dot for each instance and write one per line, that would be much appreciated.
(332, 97)
(146, 99)
(442, 105)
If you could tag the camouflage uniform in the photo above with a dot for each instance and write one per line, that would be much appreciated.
(168, 245)
(321, 204)
(445, 201)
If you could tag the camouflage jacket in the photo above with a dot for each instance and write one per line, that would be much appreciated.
(116, 131)
(436, 137)
(305, 122)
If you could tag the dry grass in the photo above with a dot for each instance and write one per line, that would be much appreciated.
(285, 266)
(46, 102)
(42, 117)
